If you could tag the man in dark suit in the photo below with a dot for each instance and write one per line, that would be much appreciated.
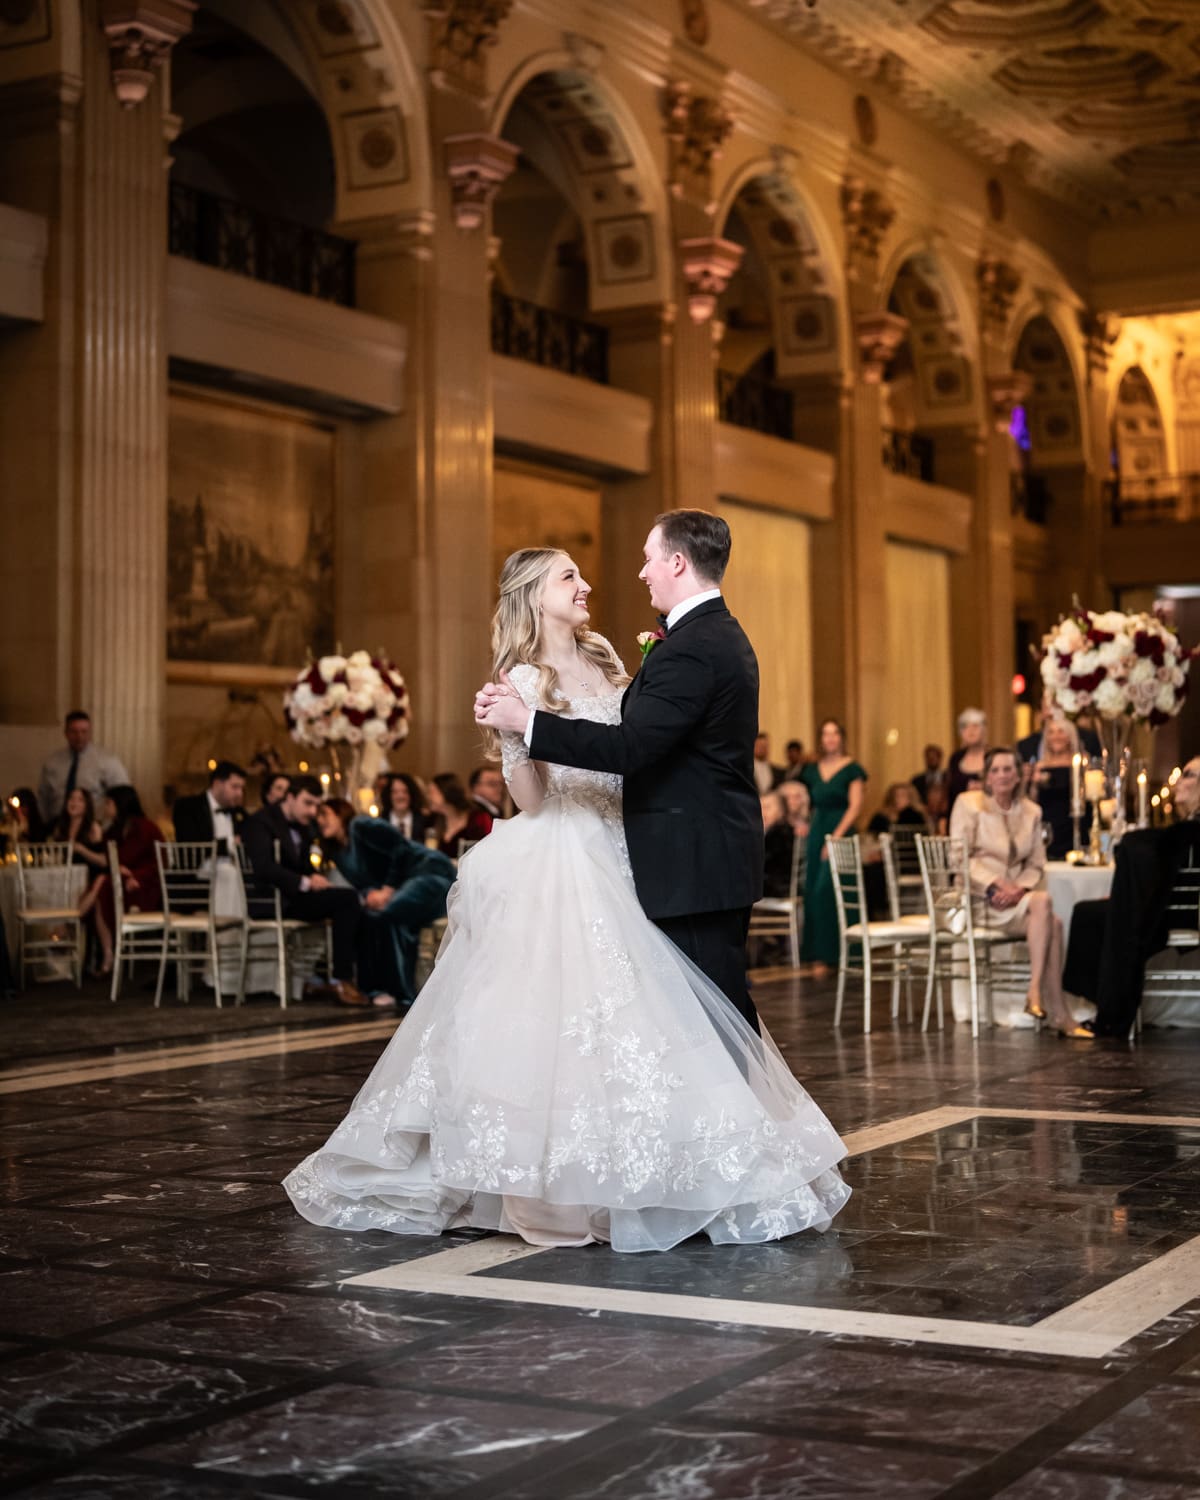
(685, 747)
(306, 894)
(216, 814)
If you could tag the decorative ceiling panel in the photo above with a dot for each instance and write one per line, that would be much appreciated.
(1096, 102)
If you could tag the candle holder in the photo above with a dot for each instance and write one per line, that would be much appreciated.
(1095, 854)
(1075, 853)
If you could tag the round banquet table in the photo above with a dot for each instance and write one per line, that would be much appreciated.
(1068, 885)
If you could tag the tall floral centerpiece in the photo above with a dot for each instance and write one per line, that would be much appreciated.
(1128, 669)
(355, 706)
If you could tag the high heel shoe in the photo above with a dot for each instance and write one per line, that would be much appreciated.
(1035, 1008)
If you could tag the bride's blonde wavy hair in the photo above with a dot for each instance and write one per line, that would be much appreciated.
(516, 632)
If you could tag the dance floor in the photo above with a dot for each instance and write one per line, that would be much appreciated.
(1009, 1305)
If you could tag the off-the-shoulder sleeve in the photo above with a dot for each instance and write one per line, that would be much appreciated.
(513, 752)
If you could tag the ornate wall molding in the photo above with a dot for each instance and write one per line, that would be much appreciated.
(477, 166)
(697, 126)
(140, 36)
(866, 216)
(461, 32)
(1100, 332)
(998, 283)
(707, 264)
(1006, 391)
(879, 336)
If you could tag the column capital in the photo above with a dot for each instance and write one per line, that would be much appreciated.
(1100, 332)
(879, 336)
(477, 166)
(1004, 392)
(140, 36)
(707, 264)
(866, 217)
(460, 33)
(697, 127)
(998, 283)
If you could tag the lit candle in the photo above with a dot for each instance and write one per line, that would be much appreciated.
(1093, 785)
(1076, 774)
(1143, 799)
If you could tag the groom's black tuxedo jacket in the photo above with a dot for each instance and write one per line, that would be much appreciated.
(685, 746)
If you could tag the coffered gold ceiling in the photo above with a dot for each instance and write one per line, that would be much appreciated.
(1094, 101)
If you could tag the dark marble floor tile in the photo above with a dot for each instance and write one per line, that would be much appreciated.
(1157, 1432)
(674, 1464)
(73, 1301)
(144, 1154)
(170, 1197)
(21, 1183)
(44, 1233)
(364, 1442)
(305, 1332)
(68, 1401)
(1066, 1484)
(104, 1481)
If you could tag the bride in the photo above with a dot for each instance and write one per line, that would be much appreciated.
(567, 1074)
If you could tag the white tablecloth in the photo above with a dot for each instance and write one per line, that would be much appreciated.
(1070, 884)
(44, 888)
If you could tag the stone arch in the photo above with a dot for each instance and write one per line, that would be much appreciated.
(42, 41)
(1053, 410)
(1138, 434)
(574, 126)
(787, 245)
(933, 379)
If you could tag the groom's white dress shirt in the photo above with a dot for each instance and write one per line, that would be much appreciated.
(673, 618)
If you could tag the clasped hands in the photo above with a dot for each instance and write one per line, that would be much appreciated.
(500, 706)
(1005, 893)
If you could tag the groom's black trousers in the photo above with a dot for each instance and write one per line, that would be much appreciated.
(715, 941)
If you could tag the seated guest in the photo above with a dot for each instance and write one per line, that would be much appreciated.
(405, 888)
(766, 776)
(25, 814)
(486, 788)
(78, 826)
(404, 807)
(1029, 747)
(215, 814)
(1050, 781)
(457, 819)
(965, 772)
(1111, 941)
(1002, 831)
(135, 836)
(933, 775)
(307, 895)
(275, 788)
(899, 806)
(78, 763)
(794, 751)
(798, 804)
(779, 842)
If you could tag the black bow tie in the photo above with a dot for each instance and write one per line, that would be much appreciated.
(662, 622)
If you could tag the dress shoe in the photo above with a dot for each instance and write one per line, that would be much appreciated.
(346, 992)
(316, 989)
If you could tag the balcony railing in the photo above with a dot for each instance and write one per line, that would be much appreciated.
(219, 232)
(908, 453)
(1030, 497)
(540, 336)
(756, 404)
(1155, 497)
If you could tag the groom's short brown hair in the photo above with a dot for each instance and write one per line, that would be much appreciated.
(702, 538)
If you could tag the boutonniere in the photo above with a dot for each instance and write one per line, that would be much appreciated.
(648, 639)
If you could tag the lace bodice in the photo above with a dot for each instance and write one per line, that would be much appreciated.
(597, 789)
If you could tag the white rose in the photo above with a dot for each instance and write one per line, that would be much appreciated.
(330, 666)
(337, 727)
(1069, 638)
(1165, 700)
(1110, 698)
(1085, 661)
(360, 699)
(359, 659)
(362, 677)
(1068, 701)
(383, 702)
(373, 731)
(354, 736)
(337, 695)
(1178, 677)
(1141, 671)
(1109, 654)
(302, 698)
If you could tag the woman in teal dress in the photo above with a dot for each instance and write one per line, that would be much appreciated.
(835, 785)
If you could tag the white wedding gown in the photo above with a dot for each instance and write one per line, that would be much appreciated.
(566, 1074)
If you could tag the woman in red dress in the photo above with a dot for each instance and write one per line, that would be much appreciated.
(135, 836)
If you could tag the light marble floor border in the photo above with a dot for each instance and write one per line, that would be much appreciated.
(21, 1080)
(1092, 1328)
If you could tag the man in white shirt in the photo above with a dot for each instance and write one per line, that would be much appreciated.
(79, 764)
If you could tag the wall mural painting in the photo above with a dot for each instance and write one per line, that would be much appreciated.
(250, 526)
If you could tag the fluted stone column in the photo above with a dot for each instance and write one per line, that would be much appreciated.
(121, 416)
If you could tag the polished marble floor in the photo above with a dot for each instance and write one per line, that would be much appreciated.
(1009, 1306)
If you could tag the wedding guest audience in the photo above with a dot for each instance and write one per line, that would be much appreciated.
(135, 836)
(835, 785)
(78, 826)
(799, 806)
(1050, 781)
(24, 813)
(404, 807)
(965, 773)
(1002, 832)
(1029, 748)
(933, 775)
(275, 788)
(796, 760)
(278, 841)
(457, 821)
(766, 776)
(267, 762)
(779, 842)
(1112, 940)
(215, 814)
(899, 805)
(78, 763)
(405, 887)
(486, 786)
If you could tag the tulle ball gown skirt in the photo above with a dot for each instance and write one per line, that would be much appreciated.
(567, 1075)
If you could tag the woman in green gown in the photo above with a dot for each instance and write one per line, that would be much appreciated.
(835, 785)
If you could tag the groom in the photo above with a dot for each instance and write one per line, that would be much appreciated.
(685, 746)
